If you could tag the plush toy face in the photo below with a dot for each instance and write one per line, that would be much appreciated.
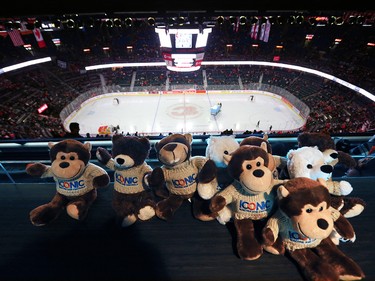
(308, 162)
(129, 151)
(258, 141)
(306, 202)
(218, 146)
(174, 149)
(69, 158)
(249, 165)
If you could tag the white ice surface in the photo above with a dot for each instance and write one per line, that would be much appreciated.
(187, 113)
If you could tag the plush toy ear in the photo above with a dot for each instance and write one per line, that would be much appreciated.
(189, 138)
(211, 140)
(88, 146)
(50, 144)
(263, 146)
(265, 137)
(282, 192)
(290, 154)
(322, 182)
(116, 137)
(227, 158)
(145, 142)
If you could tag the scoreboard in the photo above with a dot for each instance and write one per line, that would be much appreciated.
(183, 48)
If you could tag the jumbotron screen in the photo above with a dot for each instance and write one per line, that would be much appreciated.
(183, 48)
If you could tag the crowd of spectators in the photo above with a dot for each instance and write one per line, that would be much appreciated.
(334, 108)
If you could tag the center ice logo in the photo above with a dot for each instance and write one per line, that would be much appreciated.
(183, 110)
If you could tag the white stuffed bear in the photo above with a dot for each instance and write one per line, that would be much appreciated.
(214, 175)
(310, 162)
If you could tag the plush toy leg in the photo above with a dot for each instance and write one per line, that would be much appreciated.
(335, 237)
(337, 202)
(201, 210)
(247, 246)
(344, 266)
(312, 266)
(166, 208)
(157, 183)
(78, 207)
(131, 207)
(277, 248)
(225, 215)
(146, 213)
(128, 221)
(147, 206)
(348, 206)
(352, 207)
(46, 213)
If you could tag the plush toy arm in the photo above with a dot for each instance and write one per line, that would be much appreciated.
(103, 155)
(345, 229)
(272, 242)
(146, 171)
(280, 161)
(277, 182)
(270, 231)
(217, 203)
(156, 178)
(208, 172)
(99, 176)
(223, 198)
(101, 181)
(343, 226)
(199, 161)
(345, 187)
(38, 170)
(156, 181)
(339, 187)
(268, 236)
(207, 181)
(207, 190)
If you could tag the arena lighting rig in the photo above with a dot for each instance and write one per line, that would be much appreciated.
(24, 64)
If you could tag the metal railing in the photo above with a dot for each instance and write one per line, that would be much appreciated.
(15, 155)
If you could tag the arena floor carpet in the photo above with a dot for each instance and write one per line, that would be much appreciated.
(181, 249)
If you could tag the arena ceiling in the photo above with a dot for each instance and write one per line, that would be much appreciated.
(208, 7)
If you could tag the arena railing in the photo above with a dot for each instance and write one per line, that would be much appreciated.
(16, 154)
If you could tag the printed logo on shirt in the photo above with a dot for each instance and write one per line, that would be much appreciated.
(72, 185)
(255, 206)
(299, 238)
(184, 182)
(126, 181)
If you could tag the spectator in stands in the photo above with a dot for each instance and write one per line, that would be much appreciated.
(74, 131)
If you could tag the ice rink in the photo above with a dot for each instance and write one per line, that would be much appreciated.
(186, 113)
